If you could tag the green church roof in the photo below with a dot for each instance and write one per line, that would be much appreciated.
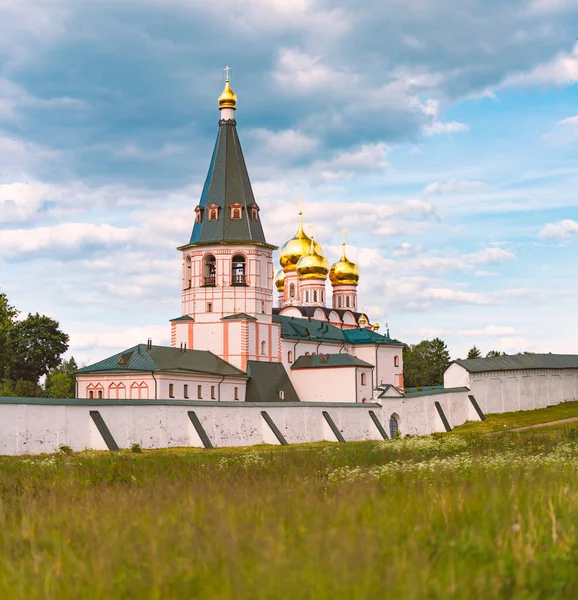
(322, 331)
(163, 358)
(320, 361)
(228, 183)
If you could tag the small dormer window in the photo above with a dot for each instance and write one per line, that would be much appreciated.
(198, 214)
(213, 212)
(255, 212)
(236, 211)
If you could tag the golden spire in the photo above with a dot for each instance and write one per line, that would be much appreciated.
(228, 99)
(344, 272)
(297, 246)
(313, 265)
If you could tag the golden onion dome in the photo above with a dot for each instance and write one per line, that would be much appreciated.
(313, 265)
(344, 272)
(376, 326)
(297, 247)
(362, 320)
(280, 280)
(228, 99)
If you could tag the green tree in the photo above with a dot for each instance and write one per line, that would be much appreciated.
(34, 346)
(492, 353)
(60, 382)
(474, 353)
(8, 316)
(425, 363)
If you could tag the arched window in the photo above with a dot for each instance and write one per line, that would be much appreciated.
(393, 427)
(188, 282)
(347, 301)
(209, 270)
(91, 394)
(290, 356)
(198, 214)
(263, 348)
(238, 276)
(292, 291)
(322, 296)
(255, 212)
(306, 295)
(364, 379)
(314, 295)
(213, 212)
(396, 361)
(281, 395)
(338, 301)
(236, 211)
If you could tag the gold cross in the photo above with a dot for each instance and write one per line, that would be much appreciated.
(343, 237)
(300, 204)
(227, 69)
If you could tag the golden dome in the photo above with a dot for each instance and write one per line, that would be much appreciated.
(362, 320)
(280, 280)
(376, 326)
(228, 99)
(297, 247)
(312, 265)
(344, 272)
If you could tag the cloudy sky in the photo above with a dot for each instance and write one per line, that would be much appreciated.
(443, 136)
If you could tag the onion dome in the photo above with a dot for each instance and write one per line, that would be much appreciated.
(344, 272)
(376, 326)
(228, 99)
(362, 320)
(313, 265)
(280, 280)
(297, 247)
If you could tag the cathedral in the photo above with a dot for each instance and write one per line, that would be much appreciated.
(246, 332)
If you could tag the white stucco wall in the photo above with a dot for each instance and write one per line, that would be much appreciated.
(336, 384)
(34, 428)
(507, 391)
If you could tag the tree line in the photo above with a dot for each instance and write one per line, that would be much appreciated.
(31, 351)
(424, 364)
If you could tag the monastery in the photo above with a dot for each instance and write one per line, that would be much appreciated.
(231, 343)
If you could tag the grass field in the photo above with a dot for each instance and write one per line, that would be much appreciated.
(525, 418)
(445, 516)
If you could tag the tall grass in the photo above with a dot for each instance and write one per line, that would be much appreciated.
(436, 517)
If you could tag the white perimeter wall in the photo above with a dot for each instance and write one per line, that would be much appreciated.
(507, 391)
(29, 428)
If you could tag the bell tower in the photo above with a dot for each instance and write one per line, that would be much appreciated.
(227, 269)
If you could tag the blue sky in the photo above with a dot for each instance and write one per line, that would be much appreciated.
(443, 137)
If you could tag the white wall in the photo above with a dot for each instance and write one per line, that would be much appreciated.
(27, 428)
(507, 391)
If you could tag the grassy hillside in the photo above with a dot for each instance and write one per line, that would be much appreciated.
(437, 517)
(524, 418)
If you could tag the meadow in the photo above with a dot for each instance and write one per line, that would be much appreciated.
(443, 516)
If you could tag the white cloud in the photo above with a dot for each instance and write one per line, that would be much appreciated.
(571, 121)
(453, 186)
(560, 230)
(437, 127)
(64, 236)
(561, 70)
(119, 339)
(288, 142)
(489, 330)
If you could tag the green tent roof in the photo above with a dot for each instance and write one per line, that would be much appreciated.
(163, 358)
(322, 331)
(267, 380)
(320, 361)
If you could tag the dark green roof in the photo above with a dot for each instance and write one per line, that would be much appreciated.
(320, 361)
(227, 183)
(517, 362)
(267, 380)
(163, 358)
(456, 390)
(322, 331)
(239, 317)
(183, 318)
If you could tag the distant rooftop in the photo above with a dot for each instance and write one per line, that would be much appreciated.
(163, 358)
(320, 361)
(517, 362)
